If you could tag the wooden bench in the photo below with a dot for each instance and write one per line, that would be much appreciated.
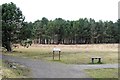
(99, 59)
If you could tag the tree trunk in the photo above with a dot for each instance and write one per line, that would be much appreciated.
(92, 40)
(8, 47)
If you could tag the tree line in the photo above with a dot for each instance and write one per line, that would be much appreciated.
(57, 31)
(82, 31)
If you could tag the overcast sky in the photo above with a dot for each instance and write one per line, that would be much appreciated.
(67, 9)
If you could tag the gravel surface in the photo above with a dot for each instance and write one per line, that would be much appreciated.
(44, 69)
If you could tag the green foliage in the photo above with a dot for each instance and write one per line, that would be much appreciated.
(82, 31)
(26, 31)
(12, 19)
(26, 43)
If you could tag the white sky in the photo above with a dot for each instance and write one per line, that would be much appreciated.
(67, 9)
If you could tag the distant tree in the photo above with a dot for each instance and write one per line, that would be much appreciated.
(115, 31)
(40, 29)
(59, 25)
(84, 30)
(26, 32)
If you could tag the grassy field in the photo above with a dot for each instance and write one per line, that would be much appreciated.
(103, 73)
(71, 54)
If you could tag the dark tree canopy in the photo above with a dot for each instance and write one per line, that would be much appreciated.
(82, 31)
(12, 19)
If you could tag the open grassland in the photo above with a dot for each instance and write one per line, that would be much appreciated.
(70, 54)
(102, 73)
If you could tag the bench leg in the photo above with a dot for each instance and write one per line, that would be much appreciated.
(92, 60)
(99, 61)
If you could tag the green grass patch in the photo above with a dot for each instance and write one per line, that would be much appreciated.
(102, 73)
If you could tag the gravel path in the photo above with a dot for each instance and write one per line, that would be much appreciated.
(44, 69)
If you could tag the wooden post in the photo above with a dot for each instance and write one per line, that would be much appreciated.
(59, 55)
(99, 60)
(92, 60)
(53, 55)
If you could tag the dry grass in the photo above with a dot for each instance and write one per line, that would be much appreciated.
(78, 48)
(71, 54)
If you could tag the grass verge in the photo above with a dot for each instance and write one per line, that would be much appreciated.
(18, 71)
(102, 73)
